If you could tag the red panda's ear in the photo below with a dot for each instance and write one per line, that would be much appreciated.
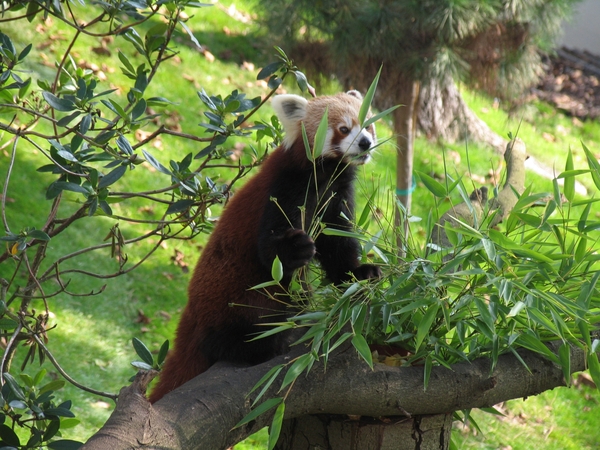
(356, 94)
(289, 107)
(291, 110)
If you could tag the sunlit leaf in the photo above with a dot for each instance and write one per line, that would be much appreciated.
(593, 164)
(275, 428)
(277, 269)
(59, 104)
(434, 186)
(320, 136)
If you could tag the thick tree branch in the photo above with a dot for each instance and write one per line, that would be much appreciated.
(202, 413)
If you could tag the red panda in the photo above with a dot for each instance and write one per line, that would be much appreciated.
(268, 218)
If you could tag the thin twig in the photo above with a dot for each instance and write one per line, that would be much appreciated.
(65, 374)
(5, 187)
(44, 277)
(8, 351)
(64, 169)
(32, 276)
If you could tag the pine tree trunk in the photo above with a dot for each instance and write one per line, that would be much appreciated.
(340, 433)
(443, 114)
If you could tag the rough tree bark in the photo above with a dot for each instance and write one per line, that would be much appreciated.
(329, 432)
(443, 114)
(202, 413)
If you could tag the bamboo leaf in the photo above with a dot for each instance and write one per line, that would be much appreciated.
(434, 186)
(593, 164)
(515, 310)
(361, 346)
(425, 323)
(427, 371)
(580, 250)
(275, 428)
(296, 369)
(364, 216)
(321, 135)
(376, 117)
(273, 331)
(569, 186)
(266, 381)
(550, 207)
(594, 367)
(277, 269)
(265, 284)
(343, 233)
(309, 154)
(532, 342)
(261, 409)
(368, 99)
(564, 354)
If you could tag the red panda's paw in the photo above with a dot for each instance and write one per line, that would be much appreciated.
(296, 249)
(367, 272)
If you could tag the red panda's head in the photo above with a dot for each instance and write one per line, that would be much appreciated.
(346, 140)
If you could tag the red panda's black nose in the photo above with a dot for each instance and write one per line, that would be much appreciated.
(364, 143)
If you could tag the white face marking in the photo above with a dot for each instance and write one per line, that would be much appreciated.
(353, 143)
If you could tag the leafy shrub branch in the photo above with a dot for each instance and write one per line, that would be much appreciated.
(86, 132)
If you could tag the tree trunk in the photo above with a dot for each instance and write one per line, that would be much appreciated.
(326, 432)
(443, 114)
(405, 126)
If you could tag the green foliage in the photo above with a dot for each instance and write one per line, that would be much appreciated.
(31, 405)
(532, 282)
(416, 40)
(96, 143)
(147, 360)
(93, 169)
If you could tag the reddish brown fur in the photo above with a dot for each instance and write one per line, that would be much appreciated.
(231, 262)
(228, 267)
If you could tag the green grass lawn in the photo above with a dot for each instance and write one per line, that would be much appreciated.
(92, 338)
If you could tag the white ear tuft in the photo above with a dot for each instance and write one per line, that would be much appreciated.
(291, 110)
(356, 94)
(289, 107)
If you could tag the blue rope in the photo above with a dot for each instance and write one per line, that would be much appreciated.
(409, 190)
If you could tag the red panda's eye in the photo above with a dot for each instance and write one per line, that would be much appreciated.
(344, 130)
